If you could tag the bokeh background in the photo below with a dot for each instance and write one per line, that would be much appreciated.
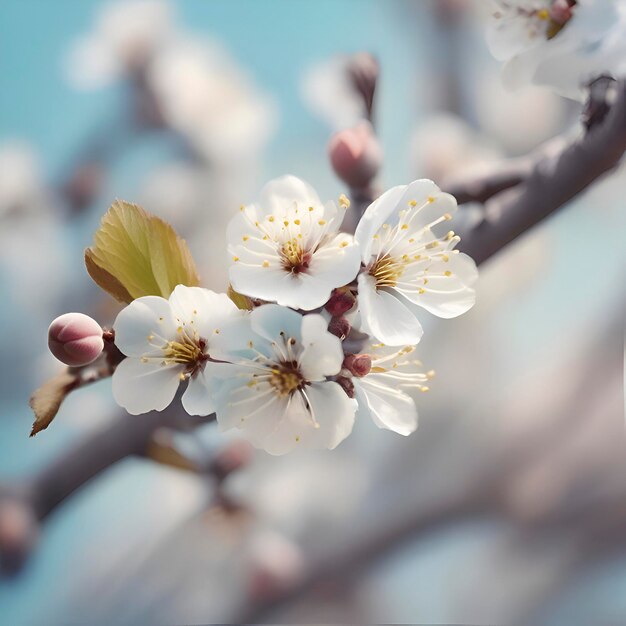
(508, 505)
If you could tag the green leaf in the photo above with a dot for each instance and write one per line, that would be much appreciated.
(138, 254)
(242, 302)
(46, 400)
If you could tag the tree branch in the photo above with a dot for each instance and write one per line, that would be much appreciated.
(556, 176)
(38, 496)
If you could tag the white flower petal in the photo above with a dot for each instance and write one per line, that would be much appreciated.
(331, 408)
(236, 341)
(198, 399)
(384, 317)
(208, 310)
(149, 316)
(335, 264)
(141, 387)
(261, 282)
(383, 209)
(446, 296)
(256, 410)
(334, 411)
(322, 355)
(332, 265)
(270, 320)
(388, 408)
(281, 193)
(444, 304)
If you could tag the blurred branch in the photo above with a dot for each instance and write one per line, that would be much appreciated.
(126, 436)
(555, 176)
(488, 493)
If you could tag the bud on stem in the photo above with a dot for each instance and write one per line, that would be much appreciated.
(340, 302)
(358, 365)
(75, 339)
(356, 155)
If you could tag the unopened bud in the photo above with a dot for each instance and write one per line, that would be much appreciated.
(356, 155)
(340, 327)
(346, 384)
(18, 534)
(75, 339)
(364, 69)
(340, 302)
(358, 364)
(232, 458)
(276, 564)
(561, 11)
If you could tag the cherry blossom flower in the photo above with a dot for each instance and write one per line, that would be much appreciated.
(204, 95)
(286, 248)
(126, 35)
(167, 342)
(277, 390)
(383, 393)
(558, 43)
(408, 266)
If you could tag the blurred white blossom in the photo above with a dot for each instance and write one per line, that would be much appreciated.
(327, 90)
(125, 37)
(32, 246)
(21, 187)
(445, 145)
(540, 43)
(517, 121)
(203, 95)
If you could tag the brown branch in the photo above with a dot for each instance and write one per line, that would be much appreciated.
(556, 176)
(126, 436)
(484, 494)
(484, 187)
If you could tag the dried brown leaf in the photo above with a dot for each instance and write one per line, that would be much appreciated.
(46, 401)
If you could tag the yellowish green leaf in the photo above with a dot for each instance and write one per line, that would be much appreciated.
(46, 400)
(243, 302)
(163, 450)
(138, 254)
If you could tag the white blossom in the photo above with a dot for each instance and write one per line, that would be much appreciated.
(286, 248)
(206, 97)
(126, 35)
(385, 392)
(277, 390)
(560, 53)
(328, 91)
(167, 342)
(408, 266)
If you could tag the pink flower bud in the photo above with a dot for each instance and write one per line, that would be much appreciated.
(561, 11)
(341, 301)
(340, 327)
(233, 457)
(356, 155)
(358, 364)
(75, 339)
(19, 531)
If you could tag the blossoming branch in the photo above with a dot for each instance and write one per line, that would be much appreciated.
(318, 324)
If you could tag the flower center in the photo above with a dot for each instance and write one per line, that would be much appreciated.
(386, 271)
(187, 350)
(286, 378)
(294, 257)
